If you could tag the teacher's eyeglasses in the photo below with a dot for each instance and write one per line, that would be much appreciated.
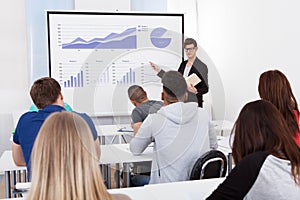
(189, 49)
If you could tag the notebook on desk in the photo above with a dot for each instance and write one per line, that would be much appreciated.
(124, 128)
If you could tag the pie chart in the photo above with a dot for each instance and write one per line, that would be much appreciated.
(158, 38)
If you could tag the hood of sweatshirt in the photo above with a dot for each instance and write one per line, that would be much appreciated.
(179, 113)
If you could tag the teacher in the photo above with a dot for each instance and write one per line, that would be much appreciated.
(188, 67)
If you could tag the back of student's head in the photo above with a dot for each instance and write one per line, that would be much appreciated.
(44, 91)
(274, 87)
(137, 93)
(64, 161)
(174, 85)
(261, 127)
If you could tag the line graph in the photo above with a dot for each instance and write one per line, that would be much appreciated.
(96, 37)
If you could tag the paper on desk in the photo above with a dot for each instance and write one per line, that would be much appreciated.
(193, 79)
(24, 186)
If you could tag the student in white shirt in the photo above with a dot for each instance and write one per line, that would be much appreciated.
(181, 133)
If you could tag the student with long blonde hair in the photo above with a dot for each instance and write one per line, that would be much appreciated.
(65, 163)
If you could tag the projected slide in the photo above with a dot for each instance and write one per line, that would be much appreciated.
(97, 56)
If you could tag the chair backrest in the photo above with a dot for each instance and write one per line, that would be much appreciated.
(212, 164)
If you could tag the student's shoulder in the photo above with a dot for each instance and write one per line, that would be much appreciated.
(201, 111)
(28, 115)
(83, 115)
(259, 155)
(26, 118)
(138, 110)
(155, 103)
(158, 102)
(254, 160)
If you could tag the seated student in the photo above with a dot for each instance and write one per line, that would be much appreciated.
(266, 157)
(143, 107)
(274, 87)
(181, 133)
(46, 95)
(65, 163)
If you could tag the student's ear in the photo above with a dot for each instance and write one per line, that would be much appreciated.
(185, 97)
(133, 102)
(61, 96)
(60, 99)
(162, 96)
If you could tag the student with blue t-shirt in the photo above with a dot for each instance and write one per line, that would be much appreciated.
(46, 95)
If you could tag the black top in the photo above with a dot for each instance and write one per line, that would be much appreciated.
(200, 69)
(241, 179)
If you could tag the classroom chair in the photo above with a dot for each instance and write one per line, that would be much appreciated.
(212, 164)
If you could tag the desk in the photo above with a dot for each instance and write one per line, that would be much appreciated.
(185, 190)
(8, 166)
(135, 193)
(110, 154)
(114, 130)
(224, 144)
(222, 127)
(120, 153)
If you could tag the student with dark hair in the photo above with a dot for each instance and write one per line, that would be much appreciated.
(274, 87)
(266, 157)
(46, 95)
(181, 133)
(192, 65)
(143, 106)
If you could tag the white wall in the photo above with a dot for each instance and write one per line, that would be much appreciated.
(14, 79)
(243, 39)
(103, 5)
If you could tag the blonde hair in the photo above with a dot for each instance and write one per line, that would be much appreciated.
(64, 161)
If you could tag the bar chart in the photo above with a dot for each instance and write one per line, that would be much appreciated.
(127, 79)
(74, 81)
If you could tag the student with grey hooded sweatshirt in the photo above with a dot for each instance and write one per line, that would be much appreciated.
(181, 133)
